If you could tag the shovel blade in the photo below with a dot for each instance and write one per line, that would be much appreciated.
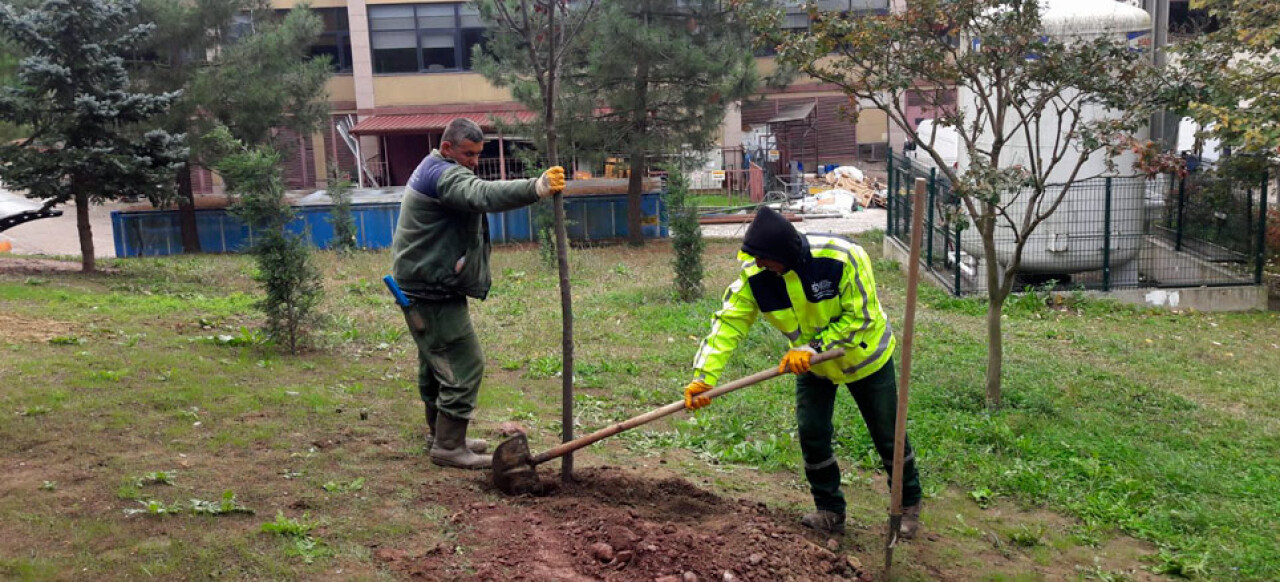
(513, 470)
(895, 522)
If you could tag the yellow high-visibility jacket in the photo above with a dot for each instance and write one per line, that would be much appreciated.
(828, 302)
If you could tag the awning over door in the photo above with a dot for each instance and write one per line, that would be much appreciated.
(431, 122)
(793, 112)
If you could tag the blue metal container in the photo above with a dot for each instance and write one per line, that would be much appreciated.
(590, 218)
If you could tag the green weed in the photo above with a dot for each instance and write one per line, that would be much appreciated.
(156, 508)
(156, 478)
(287, 527)
(107, 375)
(983, 497)
(225, 506)
(336, 487)
(543, 367)
(1181, 564)
(299, 542)
(1026, 537)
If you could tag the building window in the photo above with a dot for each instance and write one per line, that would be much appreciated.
(410, 38)
(335, 41)
(795, 20)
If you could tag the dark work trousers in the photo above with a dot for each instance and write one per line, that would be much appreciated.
(877, 399)
(450, 362)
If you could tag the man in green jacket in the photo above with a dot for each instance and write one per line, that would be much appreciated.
(441, 252)
(820, 292)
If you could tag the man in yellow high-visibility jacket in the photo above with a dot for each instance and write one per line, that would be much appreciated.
(820, 292)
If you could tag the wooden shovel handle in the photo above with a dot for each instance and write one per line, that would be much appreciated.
(669, 409)
(908, 335)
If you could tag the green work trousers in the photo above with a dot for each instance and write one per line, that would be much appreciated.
(877, 399)
(450, 362)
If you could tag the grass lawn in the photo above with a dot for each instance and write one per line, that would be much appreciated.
(141, 418)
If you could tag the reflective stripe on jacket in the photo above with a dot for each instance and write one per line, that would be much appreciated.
(828, 302)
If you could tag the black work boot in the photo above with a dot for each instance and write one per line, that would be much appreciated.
(824, 521)
(477, 446)
(449, 448)
(910, 521)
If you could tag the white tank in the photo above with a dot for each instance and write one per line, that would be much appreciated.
(1071, 240)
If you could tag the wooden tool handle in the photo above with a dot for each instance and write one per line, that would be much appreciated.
(908, 334)
(669, 409)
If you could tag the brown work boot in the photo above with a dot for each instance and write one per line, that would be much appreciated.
(824, 521)
(449, 448)
(476, 446)
(910, 521)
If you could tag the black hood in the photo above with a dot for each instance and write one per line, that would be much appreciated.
(771, 236)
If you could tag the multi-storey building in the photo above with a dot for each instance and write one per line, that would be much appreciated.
(402, 70)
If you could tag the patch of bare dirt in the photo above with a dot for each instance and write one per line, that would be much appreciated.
(19, 329)
(19, 265)
(611, 525)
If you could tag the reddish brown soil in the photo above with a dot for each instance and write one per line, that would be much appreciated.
(615, 525)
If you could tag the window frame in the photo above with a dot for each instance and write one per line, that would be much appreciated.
(457, 33)
(336, 39)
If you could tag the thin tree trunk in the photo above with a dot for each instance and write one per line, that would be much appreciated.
(995, 352)
(82, 226)
(995, 304)
(187, 211)
(562, 258)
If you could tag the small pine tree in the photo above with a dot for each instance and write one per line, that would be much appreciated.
(686, 237)
(344, 224)
(285, 269)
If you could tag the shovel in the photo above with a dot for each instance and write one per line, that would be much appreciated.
(513, 465)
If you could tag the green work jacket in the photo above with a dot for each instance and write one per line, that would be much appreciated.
(441, 245)
(830, 301)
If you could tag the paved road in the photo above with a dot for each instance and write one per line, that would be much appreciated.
(58, 236)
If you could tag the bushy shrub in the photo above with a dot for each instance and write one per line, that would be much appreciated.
(686, 237)
(344, 224)
(285, 269)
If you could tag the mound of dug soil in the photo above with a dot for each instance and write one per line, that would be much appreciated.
(611, 525)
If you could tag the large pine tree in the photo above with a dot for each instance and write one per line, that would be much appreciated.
(665, 72)
(654, 79)
(72, 93)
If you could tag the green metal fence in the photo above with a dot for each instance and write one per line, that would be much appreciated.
(1108, 233)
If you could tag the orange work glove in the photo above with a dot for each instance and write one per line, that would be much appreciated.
(551, 182)
(691, 399)
(796, 361)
